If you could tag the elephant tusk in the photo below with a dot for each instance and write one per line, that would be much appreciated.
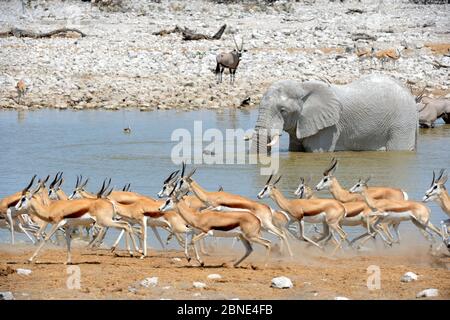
(248, 137)
(274, 140)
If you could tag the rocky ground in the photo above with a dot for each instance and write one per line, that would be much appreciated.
(313, 275)
(121, 64)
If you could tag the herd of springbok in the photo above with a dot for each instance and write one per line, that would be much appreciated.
(191, 212)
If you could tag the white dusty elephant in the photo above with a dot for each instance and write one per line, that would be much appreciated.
(373, 113)
(432, 109)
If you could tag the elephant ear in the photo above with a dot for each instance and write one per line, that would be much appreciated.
(321, 109)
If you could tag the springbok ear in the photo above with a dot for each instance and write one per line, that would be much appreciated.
(321, 108)
(85, 183)
(444, 177)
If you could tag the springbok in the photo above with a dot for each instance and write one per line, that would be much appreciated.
(438, 193)
(229, 60)
(387, 55)
(312, 211)
(357, 213)
(330, 182)
(69, 213)
(224, 200)
(209, 221)
(396, 211)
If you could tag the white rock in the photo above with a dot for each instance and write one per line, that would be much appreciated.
(197, 294)
(199, 285)
(7, 295)
(341, 298)
(24, 272)
(281, 283)
(408, 277)
(214, 276)
(428, 293)
(176, 259)
(166, 287)
(149, 282)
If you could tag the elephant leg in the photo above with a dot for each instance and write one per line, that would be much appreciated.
(295, 144)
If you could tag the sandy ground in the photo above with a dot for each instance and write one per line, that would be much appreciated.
(315, 276)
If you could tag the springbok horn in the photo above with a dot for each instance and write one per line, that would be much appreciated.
(29, 185)
(54, 180)
(270, 178)
(274, 140)
(367, 179)
(173, 190)
(302, 180)
(191, 173)
(78, 182)
(99, 193)
(432, 181)
(85, 183)
(60, 182)
(277, 180)
(45, 180)
(182, 169)
(173, 174)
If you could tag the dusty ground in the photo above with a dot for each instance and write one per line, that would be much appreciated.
(105, 276)
(121, 64)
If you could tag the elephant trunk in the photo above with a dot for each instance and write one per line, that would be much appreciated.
(264, 136)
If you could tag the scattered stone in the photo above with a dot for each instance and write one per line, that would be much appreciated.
(7, 295)
(24, 272)
(281, 283)
(341, 298)
(214, 276)
(199, 285)
(428, 293)
(149, 282)
(197, 294)
(176, 259)
(408, 277)
(166, 287)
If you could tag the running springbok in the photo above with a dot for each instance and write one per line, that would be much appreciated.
(330, 182)
(209, 221)
(9, 212)
(69, 213)
(327, 211)
(357, 214)
(396, 211)
(438, 193)
(223, 200)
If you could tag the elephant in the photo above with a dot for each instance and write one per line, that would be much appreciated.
(374, 112)
(432, 109)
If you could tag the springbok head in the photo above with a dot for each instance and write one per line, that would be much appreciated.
(266, 191)
(326, 181)
(360, 186)
(26, 195)
(304, 191)
(54, 186)
(168, 184)
(437, 186)
(79, 188)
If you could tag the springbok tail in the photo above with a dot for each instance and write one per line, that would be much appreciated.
(405, 195)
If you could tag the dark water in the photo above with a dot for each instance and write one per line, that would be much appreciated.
(92, 143)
